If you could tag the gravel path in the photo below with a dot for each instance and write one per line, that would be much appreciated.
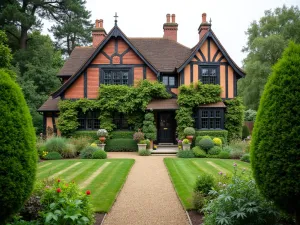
(148, 196)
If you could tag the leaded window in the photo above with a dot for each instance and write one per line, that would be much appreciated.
(89, 120)
(120, 120)
(209, 74)
(120, 77)
(170, 81)
(210, 118)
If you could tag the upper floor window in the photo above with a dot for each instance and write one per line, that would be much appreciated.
(89, 120)
(209, 74)
(117, 76)
(210, 118)
(170, 81)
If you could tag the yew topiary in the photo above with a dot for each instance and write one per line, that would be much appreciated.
(275, 145)
(18, 155)
(149, 127)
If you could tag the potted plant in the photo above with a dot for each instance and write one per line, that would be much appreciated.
(186, 145)
(149, 128)
(102, 134)
(139, 137)
(189, 133)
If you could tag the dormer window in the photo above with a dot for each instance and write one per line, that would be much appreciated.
(170, 80)
(209, 74)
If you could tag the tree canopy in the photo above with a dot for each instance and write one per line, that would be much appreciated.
(267, 39)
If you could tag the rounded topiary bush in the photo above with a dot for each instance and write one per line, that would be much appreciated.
(275, 144)
(99, 154)
(224, 155)
(198, 152)
(53, 156)
(149, 127)
(206, 144)
(87, 152)
(217, 142)
(18, 155)
(189, 131)
(204, 183)
(214, 150)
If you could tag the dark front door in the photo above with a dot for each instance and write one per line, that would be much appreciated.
(166, 127)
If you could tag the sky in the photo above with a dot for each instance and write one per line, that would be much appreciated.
(230, 18)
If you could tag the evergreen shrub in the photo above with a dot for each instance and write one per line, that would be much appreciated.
(198, 152)
(87, 152)
(121, 145)
(53, 156)
(206, 144)
(204, 183)
(99, 154)
(224, 155)
(56, 144)
(18, 155)
(185, 154)
(214, 150)
(245, 132)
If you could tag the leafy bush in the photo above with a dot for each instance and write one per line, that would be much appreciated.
(80, 142)
(214, 133)
(239, 203)
(236, 154)
(224, 155)
(234, 117)
(204, 183)
(53, 156)
(185, 154)
(66, 204)
(87, 152)
(138, 136)
(91, 135)
(149, 127)
(206, 144)
(217, 142)
(99, 154)
(122, 134)
(245, 132)
(240, 145)
(56, 144)
(214, 150)
(147, 141)
(227, 149)
(144, 152)
(246, 158)
(189, 131)
(185, 141)
(250, 115)
(69, 151)
(198, 152)
(18, 155)
(121, 145)
(199, 200)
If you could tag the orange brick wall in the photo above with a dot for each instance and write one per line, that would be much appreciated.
(150, 75)
(138, 74)
(92, 82)
(223, 81)
(131, 58)
(76, 90)
(230, 82)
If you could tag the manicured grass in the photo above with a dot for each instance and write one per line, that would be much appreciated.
(184, 172)
(104, 178)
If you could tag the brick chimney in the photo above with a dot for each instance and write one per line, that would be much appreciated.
(170, 28)
(98, 33)
(204, 26)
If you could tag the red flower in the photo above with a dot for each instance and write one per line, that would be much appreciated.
(58, 190)
(88, 192)
(58, 180)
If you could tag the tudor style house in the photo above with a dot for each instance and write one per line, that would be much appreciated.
(115, 58)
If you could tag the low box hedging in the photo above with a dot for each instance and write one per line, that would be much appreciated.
(121, 145)
(122, 134)
(85, 133)
(213, 133)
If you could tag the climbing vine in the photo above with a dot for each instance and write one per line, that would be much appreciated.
(192, 96)
(129, 100)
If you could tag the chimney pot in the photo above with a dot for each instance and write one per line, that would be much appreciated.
(173, 18)
(98, 33)
(204, 18)
(168, 18)
(96, 23)
(101, 23)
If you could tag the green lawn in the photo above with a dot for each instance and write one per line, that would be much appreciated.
(184, 172)
(104, 178)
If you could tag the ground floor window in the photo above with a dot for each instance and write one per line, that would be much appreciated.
(120, 120)
(210, 118)
(89, 120)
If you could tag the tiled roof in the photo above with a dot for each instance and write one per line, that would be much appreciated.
(159, 104)
(216, 105)
(77, 58)
(50, 105)
(163, 54)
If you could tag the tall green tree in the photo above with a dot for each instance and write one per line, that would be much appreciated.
(20, 17)
(37, 66)
(267, 39)
(275, 146)
(74, 29)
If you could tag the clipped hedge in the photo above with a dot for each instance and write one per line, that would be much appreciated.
(126, 134)
(121, 145)
(85, 133)
(214, 133)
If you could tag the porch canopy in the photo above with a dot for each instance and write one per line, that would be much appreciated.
(163, 104)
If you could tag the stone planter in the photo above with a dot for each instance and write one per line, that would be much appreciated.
(142, 146)
(186, 146)
(101, 146)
